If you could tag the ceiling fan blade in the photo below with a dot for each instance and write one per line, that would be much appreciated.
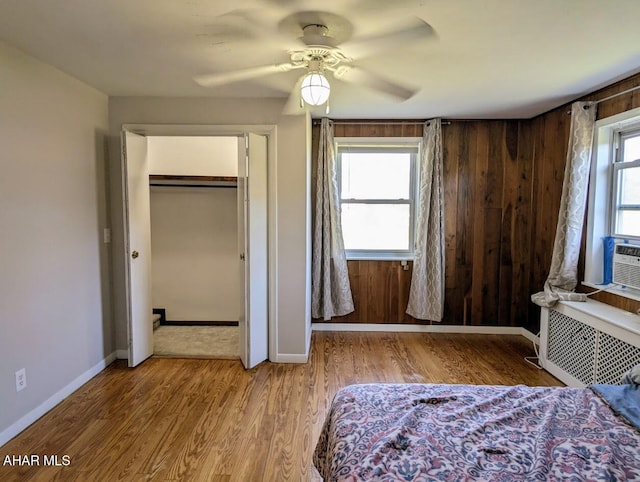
(249, 25)
(232, 26)
(357, 75)
(412, 30)
(384, 6)
(294, 104)
(221, 78)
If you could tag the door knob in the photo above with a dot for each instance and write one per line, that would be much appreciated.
(134, 254)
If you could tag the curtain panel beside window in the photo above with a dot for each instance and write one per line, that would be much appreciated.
(330, 288)
(426, 295)
(563, 274)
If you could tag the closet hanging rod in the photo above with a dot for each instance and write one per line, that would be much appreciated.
(208, 186)
(160, 180)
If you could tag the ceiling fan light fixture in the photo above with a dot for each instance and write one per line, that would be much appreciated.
(315, 88)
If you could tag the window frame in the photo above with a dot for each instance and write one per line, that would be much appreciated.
(602, 201)
(621, 134)
(376, 144)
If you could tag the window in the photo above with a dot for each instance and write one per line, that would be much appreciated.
(626, 192)
(377, 185)
(614, 192)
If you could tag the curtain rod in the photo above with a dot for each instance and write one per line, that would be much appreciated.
(392, 123)
(613, 96)
(617, 95)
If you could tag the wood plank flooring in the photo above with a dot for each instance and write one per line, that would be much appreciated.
(210, 420)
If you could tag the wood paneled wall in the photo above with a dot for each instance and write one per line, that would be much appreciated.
(550, 134)
(487, 191)
(503, 183)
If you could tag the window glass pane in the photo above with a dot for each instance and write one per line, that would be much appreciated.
(631, 149)
(628, 223)
(375, 175)
(629, 185)
(375, 226)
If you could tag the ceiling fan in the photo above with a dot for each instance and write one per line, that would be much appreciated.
(326, 46)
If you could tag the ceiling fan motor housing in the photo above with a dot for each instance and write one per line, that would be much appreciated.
(328, 56)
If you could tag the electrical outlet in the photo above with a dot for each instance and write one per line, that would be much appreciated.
(21, 379)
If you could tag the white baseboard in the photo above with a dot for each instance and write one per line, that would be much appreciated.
(122, 354)
(291, 358)
(409, 328)
(530, 336)
(54, 400)
(403, 328)
(295, 357)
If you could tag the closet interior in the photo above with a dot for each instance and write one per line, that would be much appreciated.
(195, 260)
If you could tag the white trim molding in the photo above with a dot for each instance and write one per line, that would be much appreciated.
(122, 354)
(601, 183)
(238, 130)
(291, 358)
(403, 328)
(24, 422)
(412, 328)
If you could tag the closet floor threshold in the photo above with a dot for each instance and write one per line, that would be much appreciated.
(199, 323)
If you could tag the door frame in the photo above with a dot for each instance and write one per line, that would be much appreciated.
(213, 130)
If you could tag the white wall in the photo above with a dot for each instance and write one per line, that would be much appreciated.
(193, 155)
(294, 237)
(55, 317)
(289, 202)
(194, 253)
(194, 231)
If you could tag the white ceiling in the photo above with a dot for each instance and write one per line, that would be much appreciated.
(487, 59)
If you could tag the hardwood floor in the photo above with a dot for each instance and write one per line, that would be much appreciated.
(210, 420)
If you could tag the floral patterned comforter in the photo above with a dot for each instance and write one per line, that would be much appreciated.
(423, 432)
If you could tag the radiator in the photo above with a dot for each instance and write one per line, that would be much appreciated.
(591, 342)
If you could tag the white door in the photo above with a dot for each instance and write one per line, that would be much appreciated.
(137, 218)
(252, 240)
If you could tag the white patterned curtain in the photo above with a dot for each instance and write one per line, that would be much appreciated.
(563, 277)
(426, 296)
(330, 289)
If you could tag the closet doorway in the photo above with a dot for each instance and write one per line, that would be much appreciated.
(188, 210)
(195, 256)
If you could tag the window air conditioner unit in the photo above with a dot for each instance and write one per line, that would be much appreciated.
(626, 265)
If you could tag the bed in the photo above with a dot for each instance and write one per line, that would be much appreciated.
(423, 432)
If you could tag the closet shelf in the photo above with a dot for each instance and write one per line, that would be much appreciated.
(192, 181)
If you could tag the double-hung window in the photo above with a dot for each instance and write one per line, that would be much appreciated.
(625, 215)
(614, 193)
(377, 185)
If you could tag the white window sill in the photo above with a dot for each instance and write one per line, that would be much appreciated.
(616, 290)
